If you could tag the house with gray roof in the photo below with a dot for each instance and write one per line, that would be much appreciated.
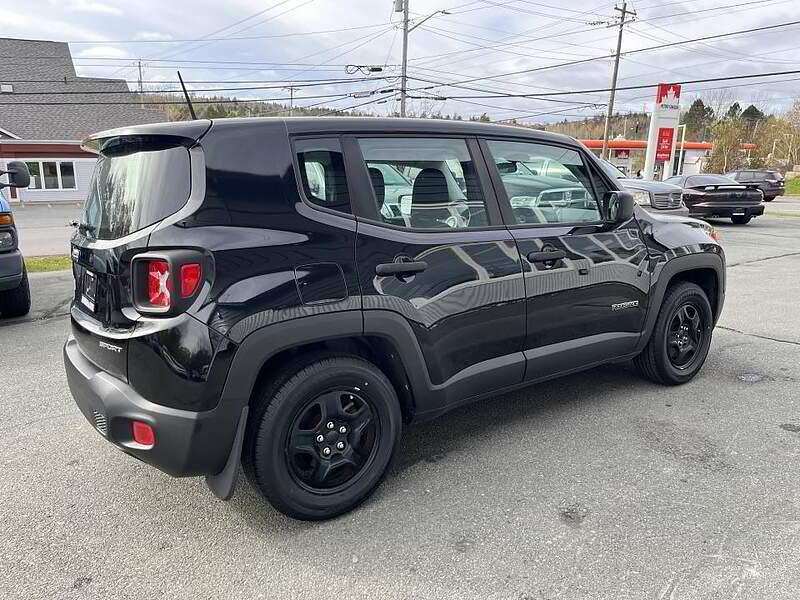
(46, 109)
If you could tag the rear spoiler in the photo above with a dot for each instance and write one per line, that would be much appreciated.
(182, 132)
(722, 186)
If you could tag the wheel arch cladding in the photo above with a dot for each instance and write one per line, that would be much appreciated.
(269, 350)
(706, 269)
(379, 352)
(707, 279)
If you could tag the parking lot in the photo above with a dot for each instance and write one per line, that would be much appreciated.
(599, 485)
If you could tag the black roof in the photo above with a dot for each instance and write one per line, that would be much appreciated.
(323, 125)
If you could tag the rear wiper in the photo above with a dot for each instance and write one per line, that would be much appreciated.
(83, 227)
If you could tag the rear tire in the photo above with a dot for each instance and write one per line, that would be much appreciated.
(675, 353)
(312, 480)
(740, 220)
(769, 199)
(16, 302)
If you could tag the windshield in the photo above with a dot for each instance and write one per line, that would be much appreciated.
(131, 191)
(611, 170)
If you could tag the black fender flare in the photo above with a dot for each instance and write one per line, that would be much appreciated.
(673, 267)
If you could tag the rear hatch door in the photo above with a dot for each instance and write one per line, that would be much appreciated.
(142, 176)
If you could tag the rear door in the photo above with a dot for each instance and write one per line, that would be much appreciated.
(432, 250)
(138, 182)
(586, 282)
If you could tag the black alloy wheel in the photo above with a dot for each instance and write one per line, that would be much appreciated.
(332, 440)
(685, 336)
(681, 336)
(321, 435)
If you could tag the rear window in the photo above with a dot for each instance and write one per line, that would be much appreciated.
(135, 185)
(710, 180)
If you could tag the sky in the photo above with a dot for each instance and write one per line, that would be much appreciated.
(494, 47)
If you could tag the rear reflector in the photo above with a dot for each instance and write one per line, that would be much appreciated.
(159, 283)
(190, 277)
(143, 434)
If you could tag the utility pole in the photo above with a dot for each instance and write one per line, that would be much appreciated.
(141, 86)
(403, 75)
(291, 99)
(624, 12)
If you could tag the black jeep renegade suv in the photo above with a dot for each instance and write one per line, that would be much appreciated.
(286, 293)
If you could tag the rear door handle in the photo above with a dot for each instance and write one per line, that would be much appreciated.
(547, 256)
(400, 268)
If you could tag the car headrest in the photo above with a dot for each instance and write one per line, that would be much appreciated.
(378, 185)
(430, 187)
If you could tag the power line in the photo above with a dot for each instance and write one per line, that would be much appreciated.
(166, 102)
(534, 96)
(301, 84)
(627, 87)
(637, 51)
(231, 39)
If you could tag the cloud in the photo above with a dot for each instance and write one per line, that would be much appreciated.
(101, 52)
(90, 6)
(151, 36)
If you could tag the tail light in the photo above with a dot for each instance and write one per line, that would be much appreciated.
(190, 277)
(159, 283)
(166, 283)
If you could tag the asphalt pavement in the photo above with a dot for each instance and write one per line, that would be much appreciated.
(44, 229)
(599, 485)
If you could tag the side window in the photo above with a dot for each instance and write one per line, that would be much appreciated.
(551, 184)
(322, 175)
(424, 183)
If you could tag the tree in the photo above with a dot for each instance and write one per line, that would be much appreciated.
(752, 114)
(697, 119)
(734, 111)
(727, 134)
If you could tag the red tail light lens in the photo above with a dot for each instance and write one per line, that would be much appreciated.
(159, 283)
(190, 278)
(143, 434)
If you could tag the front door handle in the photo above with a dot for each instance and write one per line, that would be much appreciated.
(400, 268)
(549, 256)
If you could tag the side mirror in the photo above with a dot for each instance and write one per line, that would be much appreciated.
(617, 206)
(18, 175)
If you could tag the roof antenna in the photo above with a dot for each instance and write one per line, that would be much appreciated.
(188, 100)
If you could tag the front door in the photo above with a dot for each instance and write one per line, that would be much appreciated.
(432, 250)
(586, 282)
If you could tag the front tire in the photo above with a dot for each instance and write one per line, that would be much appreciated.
(740, 220)
(322, 441)
(681, 337)
(16, 302)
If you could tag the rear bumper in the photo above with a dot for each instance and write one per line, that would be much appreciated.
(10, 270)
(709, 209)
(773, 193)
(187, 443)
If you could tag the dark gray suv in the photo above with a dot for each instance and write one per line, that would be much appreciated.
(664, 198)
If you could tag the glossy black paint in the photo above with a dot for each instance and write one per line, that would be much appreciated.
(721, 200)
(483, 315)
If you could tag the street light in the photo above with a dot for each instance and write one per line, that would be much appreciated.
(402, 6)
